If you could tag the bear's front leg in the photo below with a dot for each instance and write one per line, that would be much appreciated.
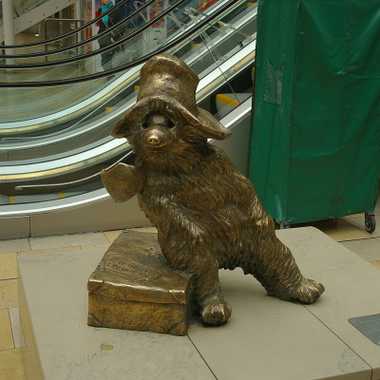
(188, 249)
(214, 310)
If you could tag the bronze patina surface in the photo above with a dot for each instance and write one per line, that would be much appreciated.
(134, 288)
(207, 214)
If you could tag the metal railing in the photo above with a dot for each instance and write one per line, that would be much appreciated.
(73, 24)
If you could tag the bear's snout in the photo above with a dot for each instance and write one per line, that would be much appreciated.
(156, 138)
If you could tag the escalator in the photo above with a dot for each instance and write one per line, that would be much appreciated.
(49, 181)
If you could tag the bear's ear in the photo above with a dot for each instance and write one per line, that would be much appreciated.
(209, 127)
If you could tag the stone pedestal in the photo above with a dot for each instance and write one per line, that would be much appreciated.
(133, 288)
(266, 339)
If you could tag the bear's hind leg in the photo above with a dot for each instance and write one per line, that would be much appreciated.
(276, 269)
(308, 291)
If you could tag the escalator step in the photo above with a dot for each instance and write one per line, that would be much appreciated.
(11, 199)
(61, 195)
(227, 100)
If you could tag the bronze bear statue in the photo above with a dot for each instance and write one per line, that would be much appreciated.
(207, 214)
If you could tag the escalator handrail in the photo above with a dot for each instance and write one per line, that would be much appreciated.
(110, 148)
(97, 51)
(71, 32)
(98, 195)
(126, 66)
(61, 116)
(21, 126)
(130, 80)
(232, 118)
(81, 43)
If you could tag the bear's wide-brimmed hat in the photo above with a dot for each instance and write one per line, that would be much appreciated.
(168, 86)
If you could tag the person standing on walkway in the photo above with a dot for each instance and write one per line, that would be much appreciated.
(104, 23)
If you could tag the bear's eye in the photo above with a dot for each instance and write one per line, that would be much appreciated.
(170, 124)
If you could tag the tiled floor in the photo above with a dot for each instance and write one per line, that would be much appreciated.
(349, 231)
(10, 334)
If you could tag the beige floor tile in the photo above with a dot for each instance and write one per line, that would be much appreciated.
(6, 340)
(12, 374)
(16, 245)
(8, 266)
(8, 293)
(50, 242)
(11, 366)
(367, 249)
(47, 251)
(347, 230)
(358, 221)
(112, 235)
(376, 263)
(18, 337)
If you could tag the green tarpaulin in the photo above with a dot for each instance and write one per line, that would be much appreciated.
(315, 142)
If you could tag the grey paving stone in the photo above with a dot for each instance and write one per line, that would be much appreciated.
(55, 287)
(266, 338)
(269, 339)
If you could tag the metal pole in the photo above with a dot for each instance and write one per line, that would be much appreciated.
(45, 37)
(78, 16)
(8, 27)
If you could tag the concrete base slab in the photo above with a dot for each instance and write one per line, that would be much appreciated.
(265, 339)
(272, 339)
(56, 295)
(353, 287)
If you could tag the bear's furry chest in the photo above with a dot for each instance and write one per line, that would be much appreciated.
(199, 191)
